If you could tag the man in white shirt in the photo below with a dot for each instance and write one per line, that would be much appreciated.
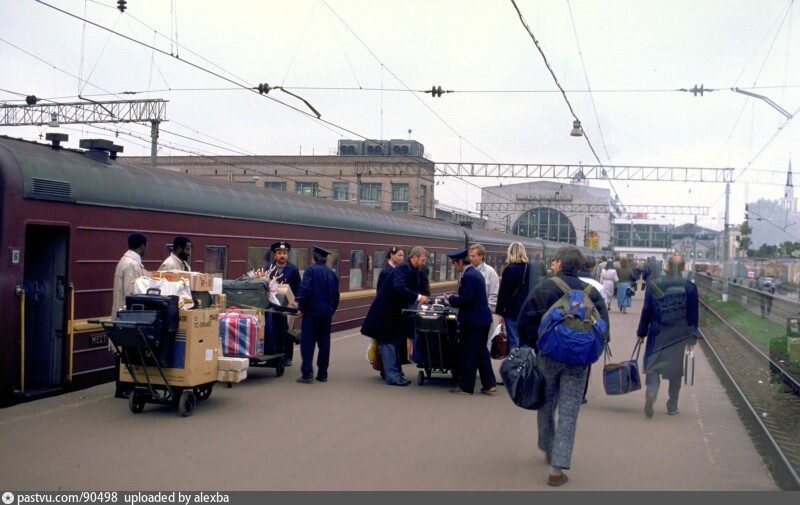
(476, 257)
(179, 258)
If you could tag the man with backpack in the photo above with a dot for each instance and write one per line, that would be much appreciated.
(669, 322)
(540, 321)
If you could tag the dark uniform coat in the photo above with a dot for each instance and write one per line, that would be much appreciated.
(471, 300)
(318, 294)
(385, 272)
(385, 321)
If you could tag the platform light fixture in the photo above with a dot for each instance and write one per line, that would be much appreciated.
(577, 131)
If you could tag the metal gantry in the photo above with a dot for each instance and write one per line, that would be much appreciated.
(598, 172)
(114, 111)
(589, 208)
(153, 111)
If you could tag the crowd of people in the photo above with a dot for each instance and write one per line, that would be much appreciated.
(518, 300)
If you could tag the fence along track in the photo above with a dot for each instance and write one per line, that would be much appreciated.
(760, 384)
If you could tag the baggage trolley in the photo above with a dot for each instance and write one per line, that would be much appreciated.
(133, 348)
(435, 341)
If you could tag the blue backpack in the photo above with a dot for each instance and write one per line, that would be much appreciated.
(572, 331)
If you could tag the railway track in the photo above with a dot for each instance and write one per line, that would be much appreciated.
(767, 393)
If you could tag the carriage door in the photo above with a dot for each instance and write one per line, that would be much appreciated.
(45, 305)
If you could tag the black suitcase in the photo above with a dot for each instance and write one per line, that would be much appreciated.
(167, 307)
(246, 293)
(148, 322)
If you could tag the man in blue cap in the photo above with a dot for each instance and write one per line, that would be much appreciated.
(474, 319)
(285, 272)
(317, 298)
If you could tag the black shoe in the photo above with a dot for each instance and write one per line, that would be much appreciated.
(305, 380)
(401, 383)
(322, 379)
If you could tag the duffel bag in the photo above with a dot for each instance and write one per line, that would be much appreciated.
(621, 378)
(246, 293)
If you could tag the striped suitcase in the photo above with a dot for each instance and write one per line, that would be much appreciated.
(238, 335)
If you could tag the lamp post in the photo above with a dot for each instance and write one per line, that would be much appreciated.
(726, 239)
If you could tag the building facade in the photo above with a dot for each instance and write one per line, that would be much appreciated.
(382, 180)
(775, 221)
(573, 213)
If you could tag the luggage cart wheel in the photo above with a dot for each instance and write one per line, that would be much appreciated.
(421, 378)
(203, 392)
(136, 401)
(186, 403)
(280, 367)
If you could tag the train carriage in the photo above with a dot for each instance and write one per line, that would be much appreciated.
(65, 217)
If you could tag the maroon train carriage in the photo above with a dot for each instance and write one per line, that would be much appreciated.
(66, 215)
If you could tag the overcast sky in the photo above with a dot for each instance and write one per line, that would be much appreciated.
(632, 54)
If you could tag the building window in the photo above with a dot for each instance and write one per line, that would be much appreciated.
(546, 223)
(341, 190)
(369, 194)
(307, 188)
(280, 186)
(399, 197)
(423, 200)
(216, 259)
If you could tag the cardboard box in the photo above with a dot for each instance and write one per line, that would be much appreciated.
(286, 298)
(233, 364)
(220, 301)
(198, 337)
(231, 375)
(197, 281)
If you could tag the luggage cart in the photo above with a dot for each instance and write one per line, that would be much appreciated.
(133, 348)
(276, 359)
(435, 341)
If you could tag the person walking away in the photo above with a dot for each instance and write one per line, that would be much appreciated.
(609, 279)
(284, 272)
(128, 269)
(514, 287)
(318, 299)
(626, 279)
(385, 321)
(474, 319)
(537, 270)
(178, 259)
(563, 383)
(669, 322)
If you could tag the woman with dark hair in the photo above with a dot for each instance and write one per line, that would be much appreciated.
(394, 256)
(514, 287)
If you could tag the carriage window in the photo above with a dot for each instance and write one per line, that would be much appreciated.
(431, 264)
(333, 260)
(258, 257)
(443, 262)
(216, 259)
(378, 260)
(356, 269)
(300, 259)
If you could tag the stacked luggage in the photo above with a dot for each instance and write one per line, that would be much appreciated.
(435, 340)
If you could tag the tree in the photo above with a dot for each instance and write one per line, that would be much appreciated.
(745, 241)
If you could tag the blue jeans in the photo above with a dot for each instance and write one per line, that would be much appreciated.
(511, 331)
(563, 390)
(391, 367)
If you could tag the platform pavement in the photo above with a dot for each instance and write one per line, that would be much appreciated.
(355, 433)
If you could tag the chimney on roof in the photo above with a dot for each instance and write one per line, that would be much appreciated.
(98, 149)
(57, 139)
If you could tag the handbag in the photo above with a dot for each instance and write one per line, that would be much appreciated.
(499, 348)
(622, 378)
(522, 378)
(630, 292)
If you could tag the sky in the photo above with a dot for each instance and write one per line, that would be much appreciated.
(363, 65)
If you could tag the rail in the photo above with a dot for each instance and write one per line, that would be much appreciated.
(787, 468)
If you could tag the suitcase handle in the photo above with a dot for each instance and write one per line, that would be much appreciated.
(153, 291)
(137, 306)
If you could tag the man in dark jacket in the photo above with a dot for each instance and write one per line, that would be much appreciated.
(669, 321)
(385, 321)
(318, 299)
(474, 319)
(286, 273)
(564, 383)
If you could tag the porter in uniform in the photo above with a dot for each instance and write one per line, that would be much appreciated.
(286, 273)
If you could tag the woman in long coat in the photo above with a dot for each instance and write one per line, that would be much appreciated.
(513, 290)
